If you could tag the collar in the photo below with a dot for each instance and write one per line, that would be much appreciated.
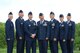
(52, 19)
(10, 20)
(61, 21)
(30, 20)
(68, 21)
(41, 20)
(21, 18)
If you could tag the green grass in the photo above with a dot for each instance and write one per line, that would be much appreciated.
(14, 51)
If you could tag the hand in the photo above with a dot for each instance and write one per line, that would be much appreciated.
(20, 38)
(55, 39)
(64, 40)
(72, 39)
(8, 39)
(33, 35)
(46, 38)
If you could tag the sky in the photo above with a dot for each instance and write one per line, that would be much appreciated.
(38, 6)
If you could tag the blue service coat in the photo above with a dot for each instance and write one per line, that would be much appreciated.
(29, 28)
(9, 30)
(53, 29)
(42, 30)
(19, 28)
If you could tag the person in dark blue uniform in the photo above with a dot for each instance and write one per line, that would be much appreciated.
(30, 29)
(71, 33)
(20, 32)
(9, 31)
(53, 32)
(42, 34)
(63, 34)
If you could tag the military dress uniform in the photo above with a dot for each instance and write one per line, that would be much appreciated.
(20, 35)
(42, 34)
(70, 36)
(30, 28)
(53, 34)
(63, 36)
(9, 29)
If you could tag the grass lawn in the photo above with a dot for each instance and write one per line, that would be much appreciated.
(14, 51)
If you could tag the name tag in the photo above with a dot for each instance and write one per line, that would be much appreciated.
(70, 24)
(29, 25)
(34, 24)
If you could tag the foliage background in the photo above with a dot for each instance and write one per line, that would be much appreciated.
(3, 42)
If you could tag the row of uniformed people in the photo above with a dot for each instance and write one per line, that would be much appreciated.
(52, 31)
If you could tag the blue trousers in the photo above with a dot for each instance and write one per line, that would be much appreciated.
(31, 43)
(63, 46)
(43, 46)
(70, 46)
(20, 46)
(53, 46)
(10, 44)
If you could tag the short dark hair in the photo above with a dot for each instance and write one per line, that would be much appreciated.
(20, 11)
(10, 13)
(69, 14)
(52, 13)
(40, 14)
(61, 15)
(30, 13)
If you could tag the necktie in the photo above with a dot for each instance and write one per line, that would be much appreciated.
(41, 22)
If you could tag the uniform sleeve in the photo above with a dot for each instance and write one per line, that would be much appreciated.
(35, 28)
(7, 29)
(73, 29)
(56, 29)
(18, 28)
(66, 30)
(26, 29)
(48, 29)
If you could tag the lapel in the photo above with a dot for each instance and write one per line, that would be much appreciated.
(21, 21)
(30, 22)
(42, 23)
(70, 23)
(62, 24)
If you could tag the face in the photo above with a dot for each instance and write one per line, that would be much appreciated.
(30, 16)
(52, 16)
(62, 18)
(68, 17)
(41, 17)
(10, 17)
(21, 14)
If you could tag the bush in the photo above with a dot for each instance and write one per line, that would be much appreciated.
(2, 36)
(3, 42)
